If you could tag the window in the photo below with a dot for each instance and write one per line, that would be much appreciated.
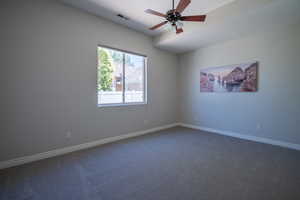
(121, 77)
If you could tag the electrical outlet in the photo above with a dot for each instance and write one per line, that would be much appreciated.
(258, 126)
(68, 134)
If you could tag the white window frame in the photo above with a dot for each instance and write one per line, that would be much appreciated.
(123, 79)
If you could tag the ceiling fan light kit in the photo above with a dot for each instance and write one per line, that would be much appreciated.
(173, 17)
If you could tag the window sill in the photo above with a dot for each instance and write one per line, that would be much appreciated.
(120, 105)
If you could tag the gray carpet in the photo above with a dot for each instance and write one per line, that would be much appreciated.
(175, 164)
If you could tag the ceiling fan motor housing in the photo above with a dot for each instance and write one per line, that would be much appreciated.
(173, 16)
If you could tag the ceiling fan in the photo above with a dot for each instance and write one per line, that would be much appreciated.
(173, 16)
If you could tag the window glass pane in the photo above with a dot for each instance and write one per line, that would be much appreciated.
(134, 78)
(110, 74)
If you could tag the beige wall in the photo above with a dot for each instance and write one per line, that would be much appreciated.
(272, 112)
(48, 79)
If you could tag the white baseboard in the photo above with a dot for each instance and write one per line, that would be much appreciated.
(57, 152)
(245, 137)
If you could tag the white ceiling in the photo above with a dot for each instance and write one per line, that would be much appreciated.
(134, 10)
(227, 19)
(235, 20)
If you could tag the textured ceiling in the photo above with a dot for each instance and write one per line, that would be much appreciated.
(235, 20)
(134, 10)
(226, 20)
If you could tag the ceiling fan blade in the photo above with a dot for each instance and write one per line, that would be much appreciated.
(195, 18)
(158, 25)
(179, 30)
(182, 5)
(153, 12)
